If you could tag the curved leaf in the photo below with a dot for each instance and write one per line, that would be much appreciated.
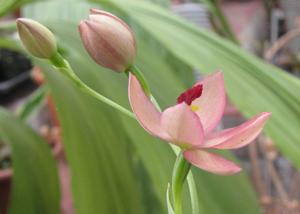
(35, 187)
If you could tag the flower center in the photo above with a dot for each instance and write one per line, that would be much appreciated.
(190, 95)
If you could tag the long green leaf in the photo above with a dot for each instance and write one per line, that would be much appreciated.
(164, 3)
(35, 187)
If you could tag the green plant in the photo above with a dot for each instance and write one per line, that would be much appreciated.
(111, 158)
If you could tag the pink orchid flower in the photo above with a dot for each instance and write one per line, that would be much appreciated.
(189, 123)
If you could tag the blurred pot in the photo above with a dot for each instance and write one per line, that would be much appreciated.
(15, 70)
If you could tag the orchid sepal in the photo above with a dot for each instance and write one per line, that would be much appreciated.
(189, 129)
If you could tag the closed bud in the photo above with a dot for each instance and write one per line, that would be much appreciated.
(36, 38)
(108, 40)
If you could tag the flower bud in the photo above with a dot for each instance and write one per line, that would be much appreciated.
(36, 38)
(108, 40)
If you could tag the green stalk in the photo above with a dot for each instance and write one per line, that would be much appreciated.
(141, 78)
(63, 66)
(180, 172)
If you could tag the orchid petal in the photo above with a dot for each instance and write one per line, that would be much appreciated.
(212, 102)
(239, 136)
(211, 162)
(147, 114)
(183, 126)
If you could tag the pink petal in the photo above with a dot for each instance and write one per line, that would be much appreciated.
(239, 136)
(147, 114)
(212, 101)
(211, 162)
(183, 126)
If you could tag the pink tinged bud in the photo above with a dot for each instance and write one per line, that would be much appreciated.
(108, 40)
(36, 38)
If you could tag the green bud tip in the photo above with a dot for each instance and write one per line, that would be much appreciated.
(36, 38)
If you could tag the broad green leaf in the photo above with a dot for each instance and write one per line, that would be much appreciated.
(35, 187)
(252, 85)
(150, 158)
(164, 3)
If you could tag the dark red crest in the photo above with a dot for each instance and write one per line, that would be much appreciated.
(190, 95)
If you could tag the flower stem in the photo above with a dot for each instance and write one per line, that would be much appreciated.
(64, 67)
(141, 78)
(180, 172)
(145, 86)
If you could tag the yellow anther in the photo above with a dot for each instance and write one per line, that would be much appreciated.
(195, 108)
